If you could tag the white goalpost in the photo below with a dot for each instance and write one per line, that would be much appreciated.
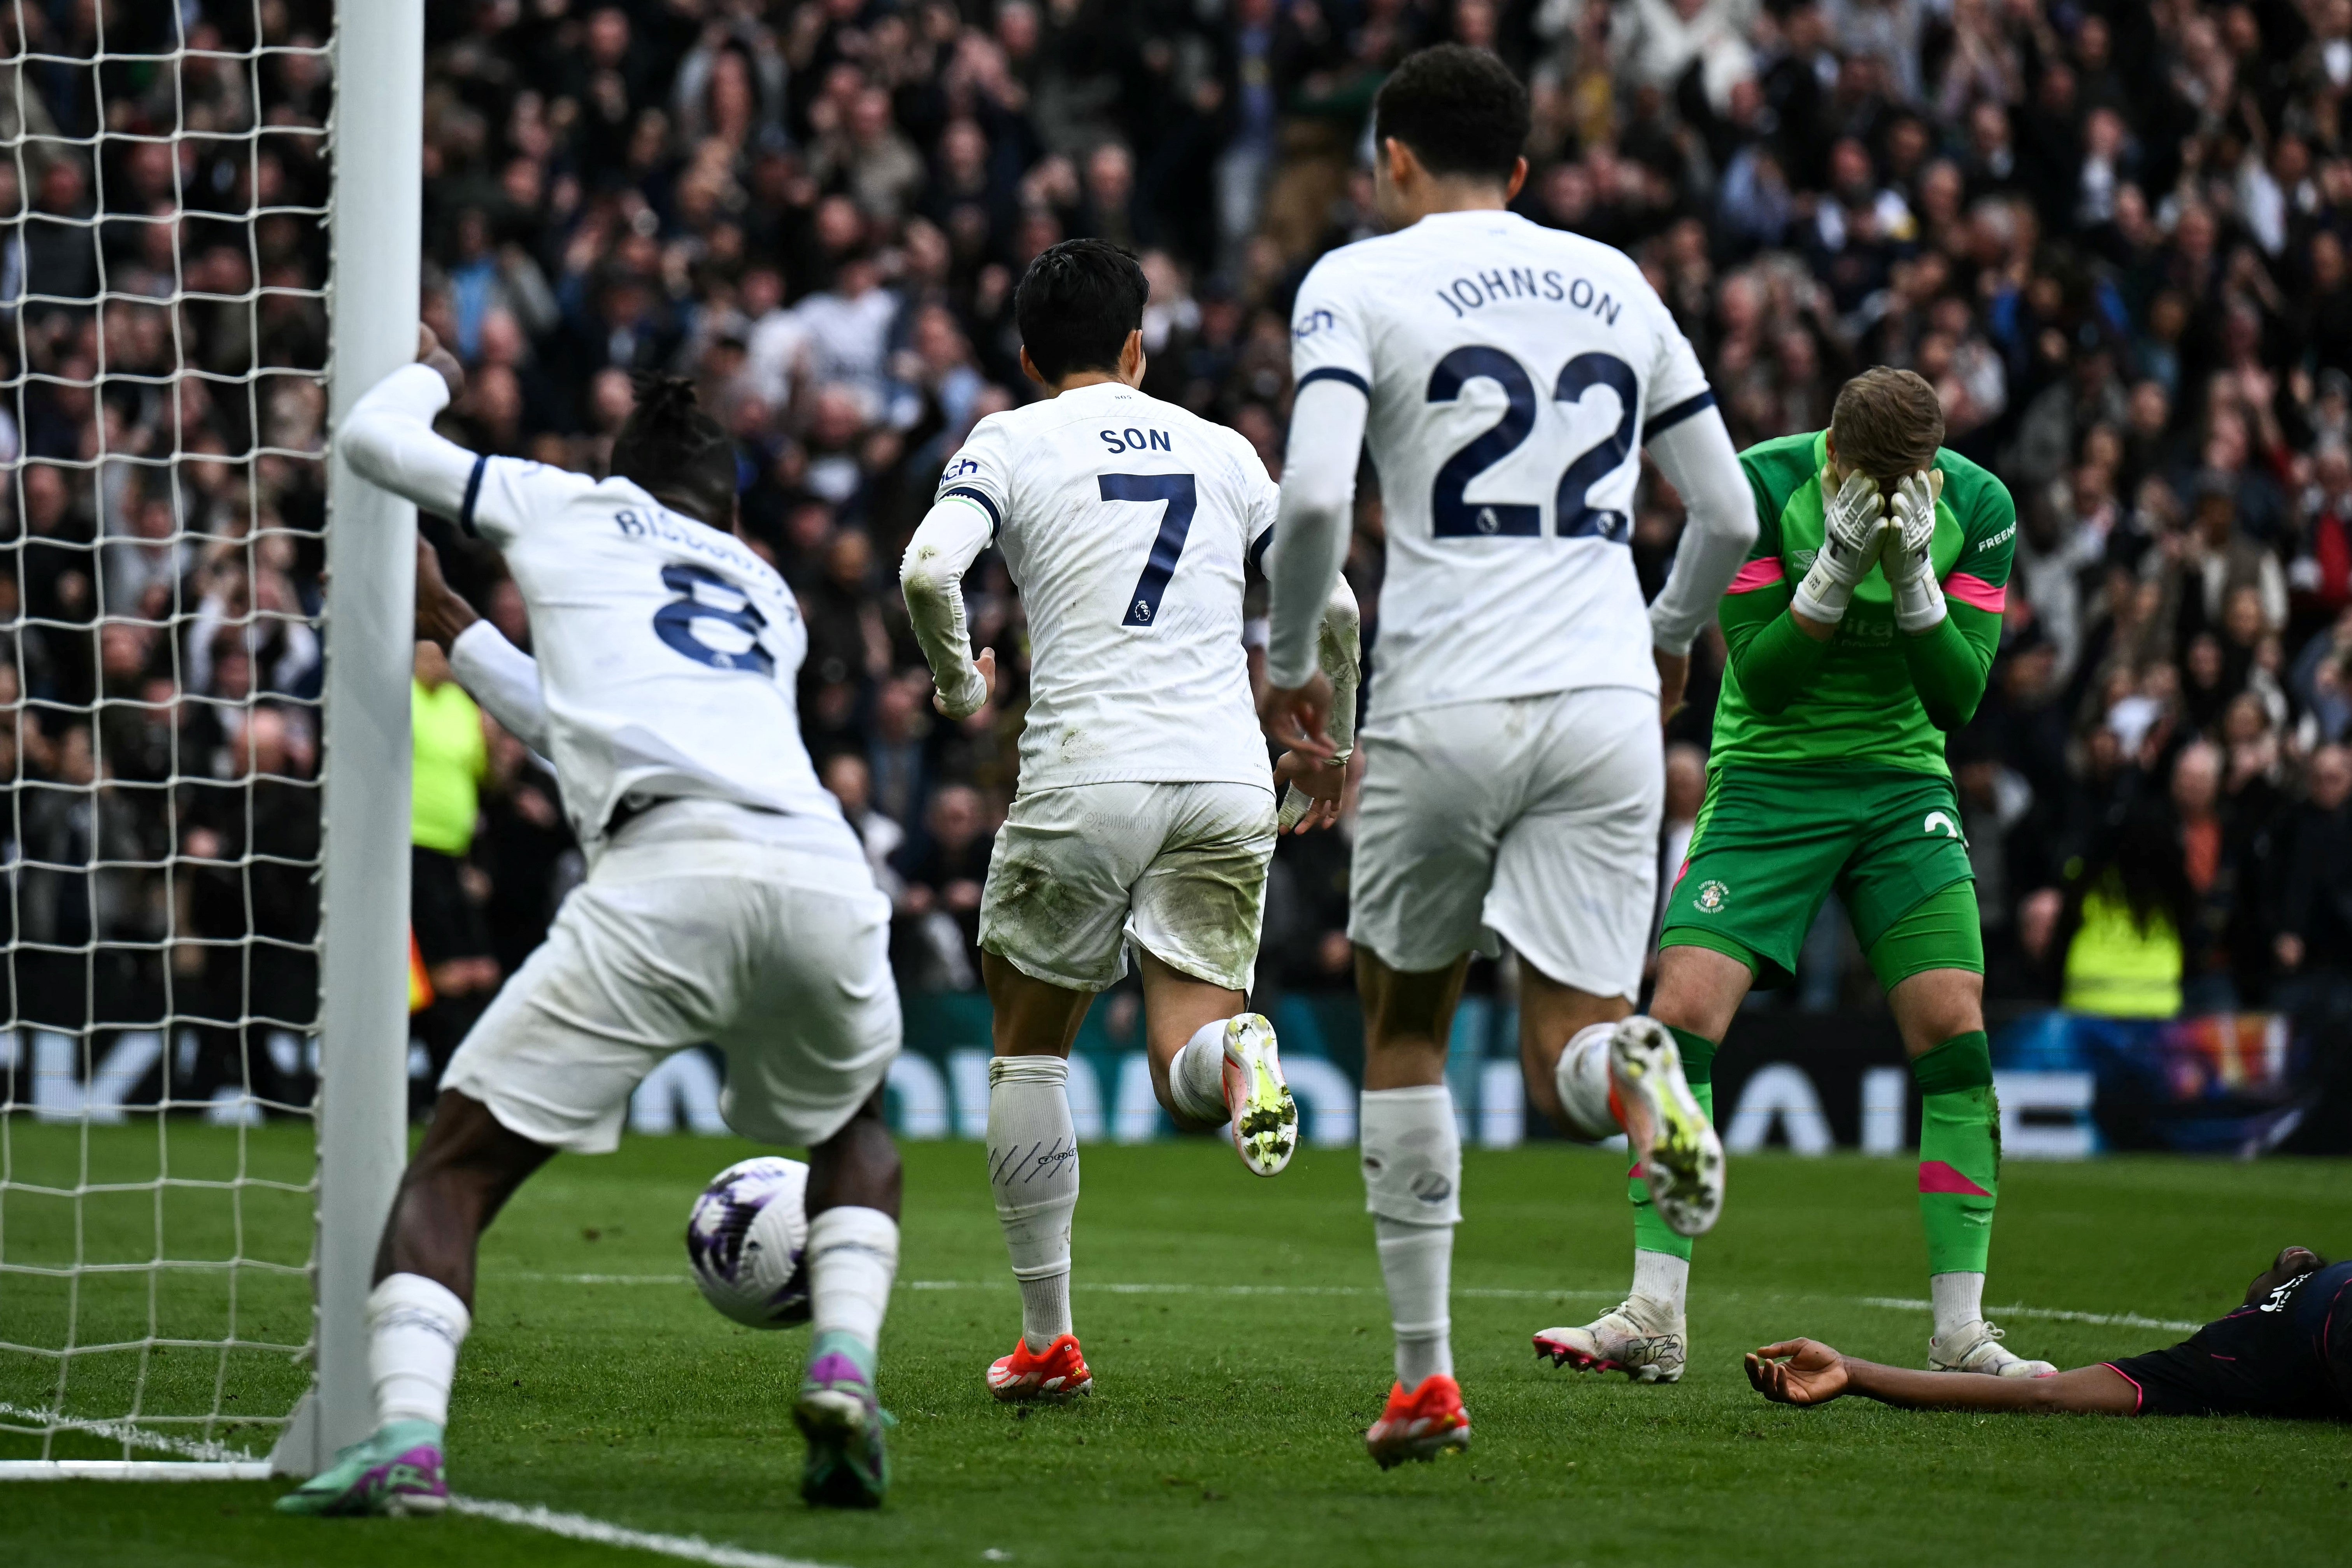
(205, 664)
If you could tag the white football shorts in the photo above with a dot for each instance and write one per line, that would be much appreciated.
(780, 957)
(1530, 818)
(1177, 868)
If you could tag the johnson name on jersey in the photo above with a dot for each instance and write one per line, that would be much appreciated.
(1513, 372)
(1128, 524)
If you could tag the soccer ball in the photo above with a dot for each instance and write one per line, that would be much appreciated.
(745, 1239)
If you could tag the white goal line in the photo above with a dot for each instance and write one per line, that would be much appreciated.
(579, 1527)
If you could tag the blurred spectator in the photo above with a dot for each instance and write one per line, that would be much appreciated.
(2314, 939)
(2120, 939)
(939, 877)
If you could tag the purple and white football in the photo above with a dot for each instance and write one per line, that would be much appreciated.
(744, 1241)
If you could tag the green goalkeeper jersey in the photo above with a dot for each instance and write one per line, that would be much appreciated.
(1875, 697)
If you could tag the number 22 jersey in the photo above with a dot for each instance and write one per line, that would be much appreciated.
(1513, 374)
(1128, 524)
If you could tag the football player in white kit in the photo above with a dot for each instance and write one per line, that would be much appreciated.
(1507, 377)
(726, 902)
(1146, 811)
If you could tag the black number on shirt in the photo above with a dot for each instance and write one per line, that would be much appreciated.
(1449, 516)
(674, 622)
(1575, 519)
(1177, 490)
(1452, 517)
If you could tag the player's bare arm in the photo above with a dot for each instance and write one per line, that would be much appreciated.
(442, 614)
(1807, 1372)
(440, 360)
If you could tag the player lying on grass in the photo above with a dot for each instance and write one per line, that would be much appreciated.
(726, 902)
(2287, 1351)
(1506, 378)
(1859, 633)
(1146, 813)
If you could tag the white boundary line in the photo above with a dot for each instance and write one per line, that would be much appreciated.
(579, 1527)
(2047, 1314)
(1889, 1303)
(201, 1450)
(211, 1460)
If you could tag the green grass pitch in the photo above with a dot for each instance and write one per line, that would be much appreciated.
(1225, 1424)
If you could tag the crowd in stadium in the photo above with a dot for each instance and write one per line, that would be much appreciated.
(2112, 234)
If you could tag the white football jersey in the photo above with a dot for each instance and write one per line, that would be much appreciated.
(1513, 372)
(668, 651)
(1126, 524)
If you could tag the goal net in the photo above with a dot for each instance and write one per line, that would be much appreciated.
(165, 348)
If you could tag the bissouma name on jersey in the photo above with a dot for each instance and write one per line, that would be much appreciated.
(639, 524)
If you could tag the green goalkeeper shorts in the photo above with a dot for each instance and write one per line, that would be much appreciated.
(1771, 843)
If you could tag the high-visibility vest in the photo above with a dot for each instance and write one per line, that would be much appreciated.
(2117, 968)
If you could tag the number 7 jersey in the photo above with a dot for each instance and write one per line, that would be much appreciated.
(1513, 374)
(1128, 524)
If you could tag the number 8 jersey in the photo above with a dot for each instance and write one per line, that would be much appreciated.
(1513, 374)
(1128, 524)
(666, 650)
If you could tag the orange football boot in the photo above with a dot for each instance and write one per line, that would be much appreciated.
(1059, 1373)
(1421, 1425)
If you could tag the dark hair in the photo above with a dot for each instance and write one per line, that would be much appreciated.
(670, 447)
(1460, 109)
(1887, 423)
(1076, 304)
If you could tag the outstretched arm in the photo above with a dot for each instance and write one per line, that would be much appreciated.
(1806, 1371)
(950, 539)
(388, 439)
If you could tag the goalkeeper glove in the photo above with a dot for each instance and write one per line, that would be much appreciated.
(1852, 533)
(1910, 532)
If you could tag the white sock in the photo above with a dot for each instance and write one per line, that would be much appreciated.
(1196, 1078)
(1045, 1310)
(1032, 1173)
(1582, 1080)
(1413, 1180)
(1662, 1280)
(1959, 1301)
(415, 1327)
(852, 1255)
(1417, 1262)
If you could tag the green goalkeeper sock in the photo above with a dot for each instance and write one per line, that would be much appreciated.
(1959, 1153)
(1651, 1234)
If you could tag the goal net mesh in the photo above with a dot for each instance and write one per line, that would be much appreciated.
(163, 308)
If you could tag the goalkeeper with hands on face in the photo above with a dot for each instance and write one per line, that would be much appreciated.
(1860, 632)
